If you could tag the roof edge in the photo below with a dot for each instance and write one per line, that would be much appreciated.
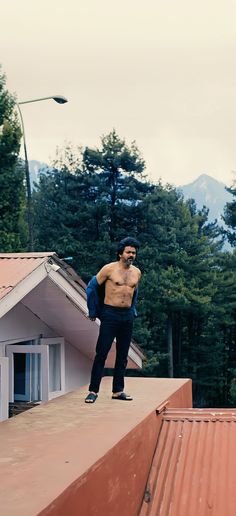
(27, 255)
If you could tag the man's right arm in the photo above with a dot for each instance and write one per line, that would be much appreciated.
(103, 274)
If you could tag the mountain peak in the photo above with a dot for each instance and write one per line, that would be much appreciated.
(207, 191)
(204, 179)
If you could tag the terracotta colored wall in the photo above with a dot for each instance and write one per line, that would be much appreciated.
(115, 484)
(182, 398)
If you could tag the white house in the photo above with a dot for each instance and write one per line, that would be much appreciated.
(47, 342)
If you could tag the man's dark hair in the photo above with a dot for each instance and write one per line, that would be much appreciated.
(125, 242)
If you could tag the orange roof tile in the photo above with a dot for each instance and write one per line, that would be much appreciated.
(14, 267)
(4, 291)
(194, 466)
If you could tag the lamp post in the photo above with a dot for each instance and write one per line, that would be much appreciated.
(60, 100)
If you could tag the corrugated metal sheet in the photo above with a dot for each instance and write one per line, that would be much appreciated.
(194, 467)
(15, 267)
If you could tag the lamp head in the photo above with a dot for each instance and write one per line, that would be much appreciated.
(60, 99)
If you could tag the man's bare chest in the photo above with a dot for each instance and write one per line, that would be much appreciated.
(124, 278)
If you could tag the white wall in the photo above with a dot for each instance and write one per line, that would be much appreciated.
(4, 391)
(21, 323)
(77, 368)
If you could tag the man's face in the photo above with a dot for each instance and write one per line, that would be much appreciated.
(128, 255)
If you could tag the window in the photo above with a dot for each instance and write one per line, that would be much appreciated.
(36, 369)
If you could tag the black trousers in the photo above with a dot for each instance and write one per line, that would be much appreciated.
(115, 323)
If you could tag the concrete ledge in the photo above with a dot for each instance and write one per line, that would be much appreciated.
(67, 457)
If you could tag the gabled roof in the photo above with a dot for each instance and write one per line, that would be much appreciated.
(14, 267)
(194, 466)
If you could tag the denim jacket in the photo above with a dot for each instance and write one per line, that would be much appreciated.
(95, 298)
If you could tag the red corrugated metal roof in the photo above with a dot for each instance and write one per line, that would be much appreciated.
(14, 267)
(194, 466)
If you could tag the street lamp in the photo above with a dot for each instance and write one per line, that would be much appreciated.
(60, 100)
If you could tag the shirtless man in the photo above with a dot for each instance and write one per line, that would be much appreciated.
(121, 280)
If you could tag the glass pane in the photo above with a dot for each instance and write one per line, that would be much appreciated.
(54, 367)
(20, 373)
(36, 377)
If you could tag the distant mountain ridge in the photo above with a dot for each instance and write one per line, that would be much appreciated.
(207, 191)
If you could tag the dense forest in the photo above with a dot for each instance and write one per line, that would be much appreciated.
(91, 198)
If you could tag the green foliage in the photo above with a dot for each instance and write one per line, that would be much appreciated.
(230, 216)
(85, 200)
(232, 390)
(118, 173)
(12, 200)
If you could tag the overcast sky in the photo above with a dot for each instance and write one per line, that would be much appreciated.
(161, 72)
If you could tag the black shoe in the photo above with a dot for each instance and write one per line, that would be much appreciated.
(91, 398)
(122, 396)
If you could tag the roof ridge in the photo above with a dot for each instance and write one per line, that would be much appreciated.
(202, 414)
(27, 255)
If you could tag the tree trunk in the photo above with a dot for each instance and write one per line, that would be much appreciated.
(170, 347)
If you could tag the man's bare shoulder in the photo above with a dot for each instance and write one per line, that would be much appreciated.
(136, 270)
(109, 267)
(105, 272)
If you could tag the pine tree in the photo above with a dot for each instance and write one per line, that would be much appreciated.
(230, 216)
(12, 199)
(120, 170)
(178, 281)
(86, 203)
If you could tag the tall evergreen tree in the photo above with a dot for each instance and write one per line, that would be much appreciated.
(84, 203)
(225, 321)
(230, 216)
(12, 198)
(178, 282)
(120, 170)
